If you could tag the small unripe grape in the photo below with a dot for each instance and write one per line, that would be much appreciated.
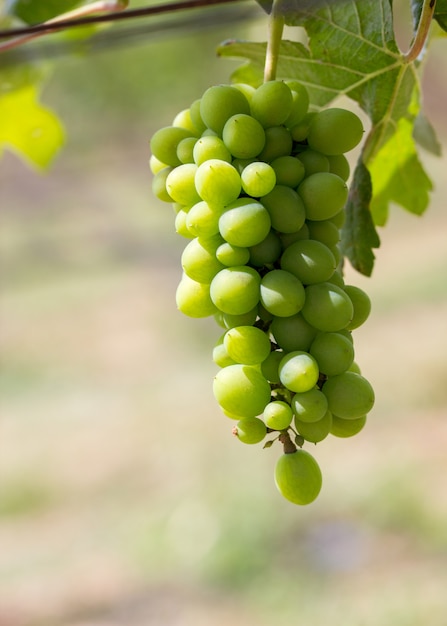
(324, 195)
(247, 344)
(282, 294)
(258, 179)
(309, 406)
(278, 142)
(310, 261)
(245, 222)
(349, 395)
(327, 307)
(210, 147)
(298, 477)
(267, 251)
(335, 131)
(271, 103)
(339, 164)
(293, 333)
(203, 219)
(347, 428)
(315, 431)
(231, 255)
(289, 171)
(217, 182)
(333, 352)
(219, 103)
(199, 260)
(286, 209)
(235, 290)
(361, 303)
(193, 298)
(270, 366)
(250, 430)
(159, 185)
(313, 162)
(298, 371)
(241, 390)
(164, 144)
(300, 103)
(181, 186)
(278, 415)
(243, 136)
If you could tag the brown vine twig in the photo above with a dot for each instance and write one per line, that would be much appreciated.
(56, 23)
(420, 37)
(63, 22)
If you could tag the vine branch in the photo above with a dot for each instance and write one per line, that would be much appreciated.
(420, 37)
(64, 21)
(275, 31)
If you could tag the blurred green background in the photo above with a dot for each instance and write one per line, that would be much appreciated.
(124, 499)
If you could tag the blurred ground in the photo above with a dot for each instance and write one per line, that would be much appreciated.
(124, 499)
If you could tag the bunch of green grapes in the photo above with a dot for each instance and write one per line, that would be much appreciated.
(258, 186)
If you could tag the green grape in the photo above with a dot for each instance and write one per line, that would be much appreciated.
(300, 130)
(339, 218)
(199, 259)
(231, 255)
(298, 477)
(221, 102)
(270, 366)
(185, 149)
(335, 131)
(247, 90)
(298, 371)
(258, 179)
(293, 333)
(247, 345)
(278, 415)
(313, 162)
(271, 103)
(315, 431)
(324, 231)
(361, 304)
(196, 118)
(245, 319)
(310, 406)
(243, 136)
(349, 395)
(300, 103)
(324, 195)
(220, 354)
(347, 428)
(241, 164)
(309, 260)
(354, 367)
(210, 147)
(327, 307)
(278, 142)
(236, 290)
(181, 226)
(286, 209)
(333, 352)
(241, 390)
(203, 219)
(339, 164)
(282, 293)
(193, 298)
(164, 142)
(159, 185)
(217, 182)
(267, 251)
(289, 171)
(156, 165)
(180, 184)
(250, 430)
(288, 238)
(336, 252)
(337, 279)
(245, 222)
(183, 120)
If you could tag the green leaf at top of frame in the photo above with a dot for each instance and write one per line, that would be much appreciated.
(37, 11)
(27, 128)
(440, 14)
(352, 51)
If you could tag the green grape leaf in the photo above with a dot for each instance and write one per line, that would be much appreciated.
(352, 52)
(358, 236)
(36, 11)
(28, 128)
(440, 14)
(425, 135)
